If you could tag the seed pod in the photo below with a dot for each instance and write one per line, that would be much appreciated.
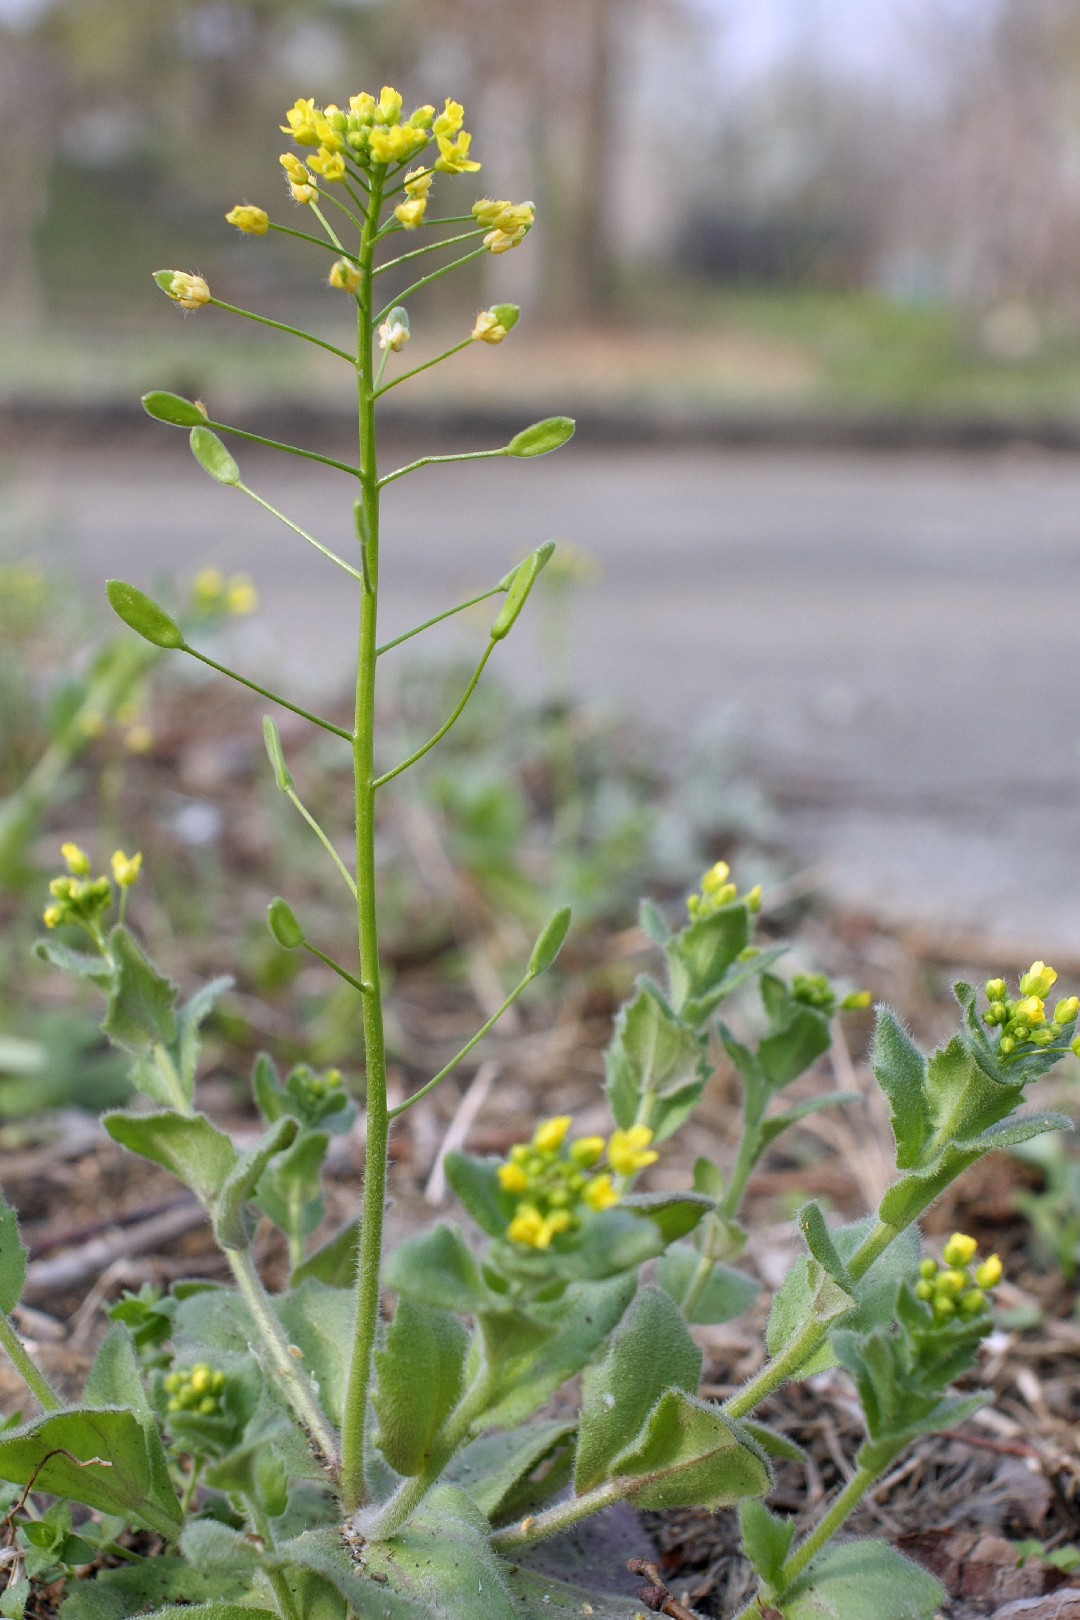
(282, 923)
(143, 615)
(542, 437)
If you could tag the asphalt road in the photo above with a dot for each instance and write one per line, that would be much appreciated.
(897, 632)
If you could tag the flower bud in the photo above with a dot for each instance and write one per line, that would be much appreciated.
(1066, 1010)
(190, 292)
(1038, 980)
(394, 331)
(252, 221)
(587, 1151)
(960, 1250)
(996, 989)
(125, 868)
(344, 276)
(989, 1274)
(550, 1135)
(512, 1178)
(76, 859)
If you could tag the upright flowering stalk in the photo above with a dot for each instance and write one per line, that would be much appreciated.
(366, 174)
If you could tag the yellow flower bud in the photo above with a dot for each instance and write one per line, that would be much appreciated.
(301, 120)
(396, 144)
(951, 1282)
(587, 1151)
(331, 165)
(388, 110)
(989, 1274)
(249, 219)
(125, 869)
(450, 119)
(362, 106)
(345, 276)
(996, 989)
(454, 156)
(550, 1135)
(924, 1290)
(411, 213)
(556, 1223)
(972, 1301)
(501, 241)
(190, 292)
(512, 1178)
(1038, 980)
(77, 860)
(960, 1250)
(1074, 1046)
(1066, 1010)
(928, 1268)
(629, 1151)
(715, 878)
(417, 183)
(52, 916)
(752, 902)
(599, 1193)
(528, 1228)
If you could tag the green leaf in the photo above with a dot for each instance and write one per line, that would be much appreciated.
(690, 1455)
(213, 457)
(115, 1379)
(143, 615)
(900, 1069)
(861, 1580)
(420, 1377)
(818, 1240)
(282, 923)
(790, 1052)
(766, 1539)
(208, 1544)
(319, 1321)
(438, 1269)
(137, 1589)
(124, 1464)
(962, 1099)
(81, 963)
(651, 921)
(772, 1443)
(550, 942)
(700, 955)
(493, 1470)
(141, 1011)
(195, 1151)
(651, 1351)
(190, 1020)
(276, 754)
(290, 1191)
(541, 437)
(566, 1335)
(673, 1214)
(230, 1217)
(172, 408)
(335, 1262)
(12, 1259)
(540, 1596)
(724, 1296)
(204, 1611)
(809, 1292)
(520, 584)
(652, 1057)
(476, 1184)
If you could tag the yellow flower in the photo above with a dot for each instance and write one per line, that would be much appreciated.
(989, 1274)
(512, 1178)
(1039, 980)
(600, 1192)
(996, 990)
(716, 878)
(587, 1151)
(362, 106)
(528, 1227)
(503, 241)
(190, 292)
(301, 184)
(960, 1250)
(393, 335)
(396, 144)
(1030, 1010)
(331, 165)
(241, 597)
(488, 328)
(450, 119)
(249, 219)
(454, 156)
(417, 183)
(301, 118)
(76, 859)
(344, 275)
(125, 868)
(411, 213)
(388, 110)
(503, 215)
(330, 129)
(1066, 1010)
(629, 1151)
(550, 1135)
(422, 117)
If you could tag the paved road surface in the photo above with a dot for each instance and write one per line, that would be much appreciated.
(899, 632)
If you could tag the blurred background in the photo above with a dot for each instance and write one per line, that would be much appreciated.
(806, 273)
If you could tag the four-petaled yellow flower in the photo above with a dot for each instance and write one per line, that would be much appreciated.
(126, 868)
(1039, 980)
(331, 165)
(449, 120)
(411, 213)
(249, 219)
(302, 119)
(629, 1151)
(454, 156)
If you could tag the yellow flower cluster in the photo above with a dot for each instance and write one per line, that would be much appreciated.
(814, 990)
(718, 891)
(212, 593)
(556, 1180)
(371, 134)
(1022, 1020)
(197, 1390)
(956, 1286)
(505, 222)
(81, 899)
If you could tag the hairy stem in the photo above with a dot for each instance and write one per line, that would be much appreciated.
(35, 1381)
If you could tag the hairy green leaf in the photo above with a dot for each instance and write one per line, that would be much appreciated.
(12, 1259)
(187, 1145)
(900, 1069)
(493, 1470)
(438, 1269)
(861, 1580)
(690, 1455)
(475, 1182)
(673, 1214)
(139, 1589)
(652, 1057)
(335, 1262)
(766, 1539)
(141, 1012)
(420, 1377)
(700, 956)
(104, 1458)
(230, 1216)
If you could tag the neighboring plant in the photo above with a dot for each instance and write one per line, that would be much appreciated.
(302, 1454)
(1054, 1208)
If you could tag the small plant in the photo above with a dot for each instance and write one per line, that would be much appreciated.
(309, 1454)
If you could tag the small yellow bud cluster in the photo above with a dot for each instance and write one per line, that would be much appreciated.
(196, 1390)
(814, 990)
(190, 292)
(79, 898)
(506, 223)
(372, 134)
(303, 187)
(556, 1180)
(212, 593)
(718, 891)
(957, 1287)
(252, 221)
(1023, 1022)
(314, 1085)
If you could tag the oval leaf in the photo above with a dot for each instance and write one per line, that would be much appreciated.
(172, 408)
(143, 615)
(213, 457)
(550, 942)
(542, 437)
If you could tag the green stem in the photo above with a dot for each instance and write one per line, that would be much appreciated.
(560, 1517)
(358, 1379)
(325, 223)
(439, 617)
(274, 697)
(35, 1381)
(282, 326)
(829, 1523)
(388, 776)
(438, 461)
(425, 281)
(296, 529)
(416, 370)
(430, 247)
(324, 840)
(279, 1585)
(333, 246)
(465, 1050)
(294, 1385)
(341, 972)
(289, 449)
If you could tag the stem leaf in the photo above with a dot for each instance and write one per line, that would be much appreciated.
(419, 1380)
